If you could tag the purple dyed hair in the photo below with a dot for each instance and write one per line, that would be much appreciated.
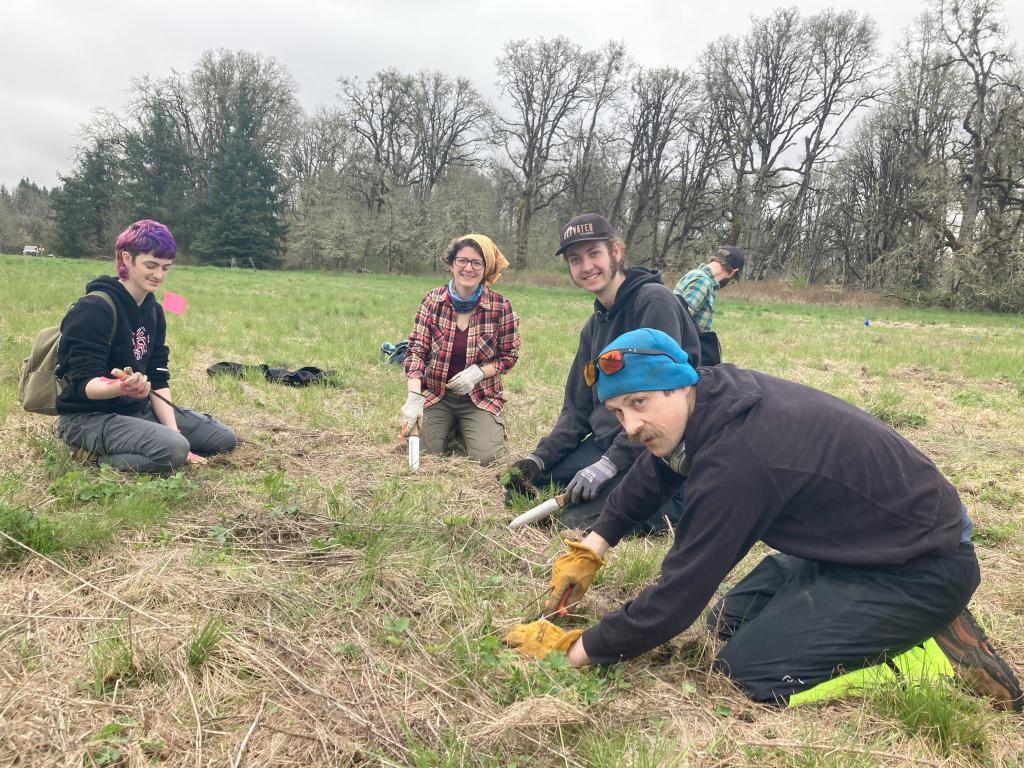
(145, 236)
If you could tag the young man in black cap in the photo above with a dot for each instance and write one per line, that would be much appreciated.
(587, 451)
(696, 289)
(875, 565)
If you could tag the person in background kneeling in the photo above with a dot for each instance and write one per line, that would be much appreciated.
(464, 339)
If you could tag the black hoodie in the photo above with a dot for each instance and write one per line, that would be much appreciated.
(774, 461)
(83, 353)
(642, 301)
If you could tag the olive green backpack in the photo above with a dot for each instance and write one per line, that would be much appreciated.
(40, 386)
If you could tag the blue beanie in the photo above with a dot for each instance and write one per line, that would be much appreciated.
(646, 373)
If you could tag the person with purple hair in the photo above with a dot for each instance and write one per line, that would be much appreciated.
(116, 407)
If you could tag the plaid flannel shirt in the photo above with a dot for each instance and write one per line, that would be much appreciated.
(697, 290)
(493, 338)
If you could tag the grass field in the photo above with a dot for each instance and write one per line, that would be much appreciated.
(307, 601)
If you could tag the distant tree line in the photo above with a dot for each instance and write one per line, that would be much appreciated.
(797, 141)
(26, 217)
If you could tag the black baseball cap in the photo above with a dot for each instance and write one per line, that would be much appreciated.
(733, 256)
(587, 226)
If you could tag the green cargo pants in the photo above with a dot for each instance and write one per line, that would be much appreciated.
(482, 431)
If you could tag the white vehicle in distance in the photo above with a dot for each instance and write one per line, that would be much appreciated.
(30, 250)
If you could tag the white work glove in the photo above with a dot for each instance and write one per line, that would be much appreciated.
(588, 481)
(412, 412)
(462, 383)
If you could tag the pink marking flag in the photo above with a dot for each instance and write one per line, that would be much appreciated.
(175, 302)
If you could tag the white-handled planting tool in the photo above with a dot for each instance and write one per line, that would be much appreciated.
(414, 449)
(539, 512)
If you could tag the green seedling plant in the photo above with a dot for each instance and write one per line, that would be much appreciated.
(289, 512)
(221, 533)
(396, 628)
(110, 745)
(117, 661)
(203, 645)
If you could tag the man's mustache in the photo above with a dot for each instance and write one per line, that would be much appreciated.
(642, 435)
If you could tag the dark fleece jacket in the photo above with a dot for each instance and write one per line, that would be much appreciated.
(643, 301)
(83, 353)
(774, 461)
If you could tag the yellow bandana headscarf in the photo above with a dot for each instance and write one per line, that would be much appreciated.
(494, 262)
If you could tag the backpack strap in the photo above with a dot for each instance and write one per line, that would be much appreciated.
(113, 330)
(113, 308)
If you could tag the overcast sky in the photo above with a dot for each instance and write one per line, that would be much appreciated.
(60, 59)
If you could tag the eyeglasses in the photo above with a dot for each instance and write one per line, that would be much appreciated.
(462, 263)
(613, 361)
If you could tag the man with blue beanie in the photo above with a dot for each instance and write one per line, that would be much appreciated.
(874, 567)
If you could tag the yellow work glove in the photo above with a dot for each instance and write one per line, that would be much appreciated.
(571, 577)
(541, 637)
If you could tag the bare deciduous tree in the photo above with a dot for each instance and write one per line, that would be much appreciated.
(546, 83)
(448, 119)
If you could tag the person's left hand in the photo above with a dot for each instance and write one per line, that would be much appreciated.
(132, 384)
(462, 383)
(588, 482)
(541, 637)
(195, 458)
(571, 577)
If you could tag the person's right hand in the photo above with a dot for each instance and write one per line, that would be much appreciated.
(412, 412)
(520, 476)
(571, 577)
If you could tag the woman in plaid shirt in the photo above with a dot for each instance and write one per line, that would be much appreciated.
(464, 338)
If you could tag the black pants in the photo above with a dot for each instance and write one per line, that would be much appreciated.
(710, 349)
(792, 623)
(585, 514)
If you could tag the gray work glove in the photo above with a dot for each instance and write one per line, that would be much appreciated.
(462, 383)
(588, 481)
(412, 412)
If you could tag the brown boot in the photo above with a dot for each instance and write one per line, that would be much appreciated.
(977, 663)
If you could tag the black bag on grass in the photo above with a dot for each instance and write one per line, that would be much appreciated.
(302, 377)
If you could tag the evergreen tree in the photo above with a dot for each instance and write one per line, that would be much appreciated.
(33, 213)
(157, 174)
(86, 209)
(244, 205)
(8, 222)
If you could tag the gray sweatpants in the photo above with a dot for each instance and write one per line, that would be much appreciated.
(142, 443)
